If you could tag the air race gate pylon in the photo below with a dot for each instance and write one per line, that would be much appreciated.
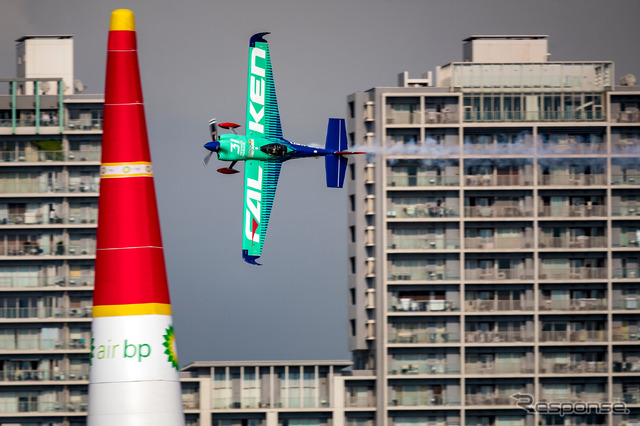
(133, 378)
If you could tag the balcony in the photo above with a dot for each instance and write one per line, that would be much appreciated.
(35, 187)
(625, 210)
(44, 313)
(422, 337)
(37, 344)
(498, 305)
(44, 375)
(567, 179)
(582, 304)
(509, 336)
(625, 179)
(422, 367)
(552, 396)
(408, 304)
(573, 211)
(498, 243)
(475, 274)
(37, 156)
(33, 282)
(625, 273)
(572, 242)
(512, 367)
(578, 273)
(549, 366)
(35, 249)
(83, 124)
(402, 180)
(498, 211)
(16, 406)
(423, 394)
(569, 335)
(39, 218)
(422, 242)
(517, 179)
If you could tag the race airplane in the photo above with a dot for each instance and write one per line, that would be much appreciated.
(263, 149)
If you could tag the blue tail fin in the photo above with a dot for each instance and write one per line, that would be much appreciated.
(336, 165)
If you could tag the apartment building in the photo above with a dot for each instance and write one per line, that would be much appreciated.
(493, 238)
(50, 136)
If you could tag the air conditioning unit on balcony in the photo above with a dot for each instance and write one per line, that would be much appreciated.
(501, 276)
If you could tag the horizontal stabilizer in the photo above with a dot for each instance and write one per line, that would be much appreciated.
(336, 168)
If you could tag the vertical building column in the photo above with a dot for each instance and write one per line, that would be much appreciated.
(14, 114)
(204, 388)
(61, 105)
(36, 93)
(337, 402)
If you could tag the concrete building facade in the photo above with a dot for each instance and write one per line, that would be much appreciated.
(493, 246)
(50, 137)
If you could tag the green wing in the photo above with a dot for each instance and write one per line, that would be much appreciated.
(263, 118)
(260, 182)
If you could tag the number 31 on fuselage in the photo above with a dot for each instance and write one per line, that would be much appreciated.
(263, 149)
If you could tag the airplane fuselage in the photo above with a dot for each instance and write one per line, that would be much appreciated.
(240, 147)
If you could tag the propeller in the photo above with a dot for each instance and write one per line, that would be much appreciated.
(214, 145)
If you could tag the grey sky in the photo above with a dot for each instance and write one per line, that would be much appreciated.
(193, 57)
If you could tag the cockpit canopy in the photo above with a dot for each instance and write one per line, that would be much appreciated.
(275, 149)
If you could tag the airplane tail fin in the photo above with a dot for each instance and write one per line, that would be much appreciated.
(335, 164)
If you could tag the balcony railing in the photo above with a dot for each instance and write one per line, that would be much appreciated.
(578, 367)
(572, 211)
(44, 219)
(573, 336)
(45, 313)
(497, 243)
(490, 399)
(498, 336)
(24, 344)
(423, 337)
(35, 249)
(404, 368)
(498, 274)
(573, 180)
(572, 397)
(498, 305)
(397, 273)
(422, 243)
(35, 187)
(410, 305)
(40, 407)
(412, 211)
(404, 180)
(516, 367)
(581, 273)
(499, 180)
(413, 399)
(360, 402)
(60, 281)
(585, 304)
(631, 210)
(41, 375)
(498, 211)
(622, 335)
(625, 273)
(83, 124)
(627, 179)
(567, 242)
(48, 156)
(627, 302)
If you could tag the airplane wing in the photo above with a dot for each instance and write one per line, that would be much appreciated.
(263, 118)
(260, 182)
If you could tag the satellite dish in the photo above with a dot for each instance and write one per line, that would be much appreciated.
(628, 80)
(45, 86)
(78, 86)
